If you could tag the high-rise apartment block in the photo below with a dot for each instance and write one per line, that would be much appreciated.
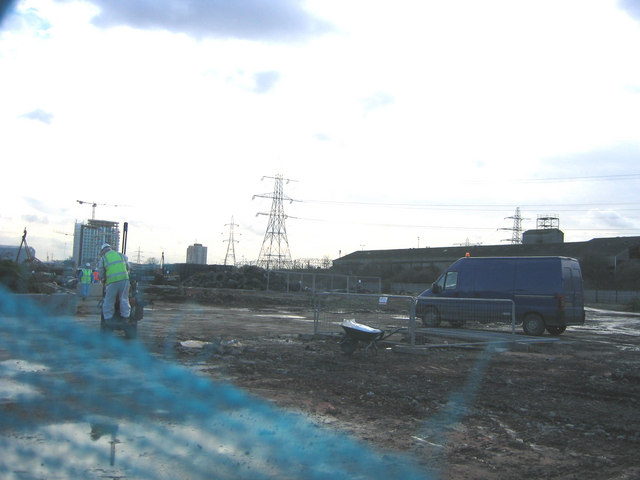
(89, 237)
(196, 253)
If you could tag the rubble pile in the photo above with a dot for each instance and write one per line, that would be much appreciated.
(246, 278)
(25, 278)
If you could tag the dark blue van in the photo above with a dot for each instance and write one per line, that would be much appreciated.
(547, 293)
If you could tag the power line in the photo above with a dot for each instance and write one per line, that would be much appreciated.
(450, 227)
(472, 206)
(626, 176)
(477, 207)
(589, 178)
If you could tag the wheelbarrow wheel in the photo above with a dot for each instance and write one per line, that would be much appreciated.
(348, 345)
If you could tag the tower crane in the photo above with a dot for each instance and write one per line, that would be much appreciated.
(93, 207)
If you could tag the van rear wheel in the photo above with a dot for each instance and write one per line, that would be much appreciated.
(533, 324)
(556, 330)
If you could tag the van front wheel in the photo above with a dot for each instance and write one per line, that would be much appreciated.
(431, 317)
(533, 324)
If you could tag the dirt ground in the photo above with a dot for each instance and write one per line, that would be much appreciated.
(567, 410)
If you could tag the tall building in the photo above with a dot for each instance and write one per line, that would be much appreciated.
(89, 237)
(196, 253)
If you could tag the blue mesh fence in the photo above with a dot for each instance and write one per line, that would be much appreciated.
(77, 404)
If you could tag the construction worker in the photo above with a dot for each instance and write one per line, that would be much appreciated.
(85, 279)
(114, 272)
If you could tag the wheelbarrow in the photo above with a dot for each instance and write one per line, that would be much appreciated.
(357, 335)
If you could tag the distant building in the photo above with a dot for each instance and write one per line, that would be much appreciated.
(387, 263)
(197, 254)
(9, 252)
(543, 236)
(89, 237)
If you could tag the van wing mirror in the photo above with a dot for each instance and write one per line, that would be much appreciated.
(435, 288)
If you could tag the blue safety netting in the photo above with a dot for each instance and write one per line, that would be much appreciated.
(77, 404)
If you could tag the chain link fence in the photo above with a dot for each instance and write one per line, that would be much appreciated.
(611, 296)
(292, 281)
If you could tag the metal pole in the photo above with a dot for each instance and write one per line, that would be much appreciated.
(412, 321)
(125, 234)
(316, 314)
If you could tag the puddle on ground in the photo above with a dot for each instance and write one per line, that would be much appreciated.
(12, 390)
(611, 323)
(283, 316)
(104, 447)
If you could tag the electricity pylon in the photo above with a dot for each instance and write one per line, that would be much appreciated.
(231, 249)
(274, 253)
(516, 231)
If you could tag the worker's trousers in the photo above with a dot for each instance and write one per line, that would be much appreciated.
(120, 291)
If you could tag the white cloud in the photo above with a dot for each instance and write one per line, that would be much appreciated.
(425, 119)
(284, 20)
(39, 115)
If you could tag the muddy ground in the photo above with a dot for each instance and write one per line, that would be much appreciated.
(567, 410)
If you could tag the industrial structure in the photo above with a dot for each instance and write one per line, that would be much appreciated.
(230, 256)
(93, 206)
(274, 253)
(516, 230)
(197, 254)
(88, 238)
(547, 231)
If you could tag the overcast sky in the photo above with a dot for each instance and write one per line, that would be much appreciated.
(400, 124)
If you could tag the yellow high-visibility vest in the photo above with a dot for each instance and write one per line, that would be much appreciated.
(115, 266)
(86, 275)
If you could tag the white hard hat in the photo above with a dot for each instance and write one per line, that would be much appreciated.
(87, 264)
(104, 245)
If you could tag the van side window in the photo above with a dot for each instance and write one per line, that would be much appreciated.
(451, 281)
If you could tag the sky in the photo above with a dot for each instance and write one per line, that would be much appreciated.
(405, 124)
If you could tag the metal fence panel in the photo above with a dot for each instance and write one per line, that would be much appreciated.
(417, 319)
(385, 312)
(463, 312)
